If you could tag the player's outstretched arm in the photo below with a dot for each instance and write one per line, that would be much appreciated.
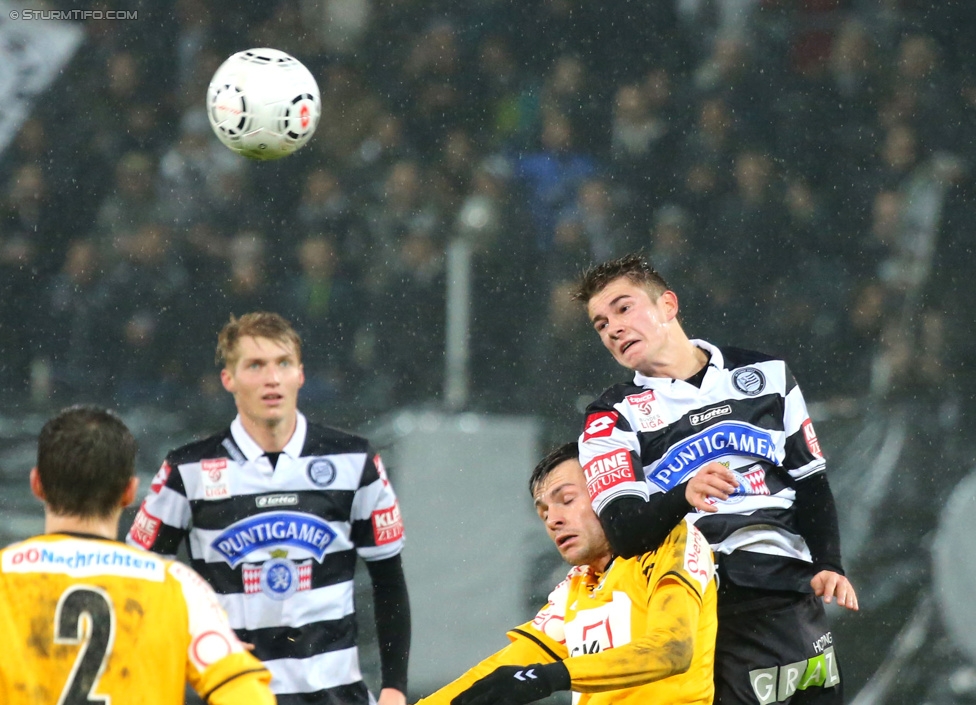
(520, 652)
(829, 585)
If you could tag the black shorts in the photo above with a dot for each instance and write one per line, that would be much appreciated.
(776, 650)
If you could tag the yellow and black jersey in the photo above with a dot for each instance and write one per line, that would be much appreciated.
(92, 620)
(616, 630)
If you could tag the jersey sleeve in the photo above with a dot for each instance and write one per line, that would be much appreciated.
(677, 578)
(163, 518)
(540, 641)
(219, 668)
(377, 526)
(610, 455)
(802, 455)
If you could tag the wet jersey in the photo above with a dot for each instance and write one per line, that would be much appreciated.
(92, 620)
(612, 629)
(279, 545)
(652, 435)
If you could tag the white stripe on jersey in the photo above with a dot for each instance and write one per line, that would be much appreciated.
(307, 675)
(760, 538)
(257, 611)
(170, 507)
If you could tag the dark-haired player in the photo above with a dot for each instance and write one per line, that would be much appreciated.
(86, 618)
(628, 631)
(724, 437)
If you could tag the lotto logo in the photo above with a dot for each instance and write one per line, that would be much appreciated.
(600, 424)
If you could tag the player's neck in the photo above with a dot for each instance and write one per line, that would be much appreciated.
(272, 438)
(682, 361)
(600, 564)
(107, 527)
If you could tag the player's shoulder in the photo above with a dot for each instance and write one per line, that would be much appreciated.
(614, 395)
(209, 447)
(321, 439)
(742, 357)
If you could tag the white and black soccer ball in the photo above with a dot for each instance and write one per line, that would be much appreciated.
(263, 103)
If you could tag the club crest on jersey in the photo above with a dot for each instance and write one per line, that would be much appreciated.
(644, 411)
(727, 438)
(278, 578)
(322, 472)
(749, 380)
(213, 474)
(599, 424)
(273, 529)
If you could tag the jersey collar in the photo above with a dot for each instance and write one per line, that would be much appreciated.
(252, 451)
(716, 360)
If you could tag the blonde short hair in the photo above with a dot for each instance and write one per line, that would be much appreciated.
(259, 324)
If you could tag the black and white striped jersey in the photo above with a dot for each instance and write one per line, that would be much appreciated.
(279, 545)
(652, 435)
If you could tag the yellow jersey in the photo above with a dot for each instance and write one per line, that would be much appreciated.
(89, 620)
(613, 629)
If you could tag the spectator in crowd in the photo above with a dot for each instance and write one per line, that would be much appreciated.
(659, 114)
(77, 335)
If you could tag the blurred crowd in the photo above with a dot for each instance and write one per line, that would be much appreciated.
(799, 170)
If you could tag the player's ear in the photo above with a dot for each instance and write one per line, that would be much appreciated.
(129, 495)
(35, 484)
(301, 375)
(670, 301)
(227, 379)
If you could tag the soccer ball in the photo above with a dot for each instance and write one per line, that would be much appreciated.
(263, 103)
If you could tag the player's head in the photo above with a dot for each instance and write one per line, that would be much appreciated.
(632, 310)
(262, 368)
(260, 324)
(85, 463)
(558, 487)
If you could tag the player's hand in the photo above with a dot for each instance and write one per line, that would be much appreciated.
(512, 685)
(391, 696)
(828, 585)
(713, 480)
